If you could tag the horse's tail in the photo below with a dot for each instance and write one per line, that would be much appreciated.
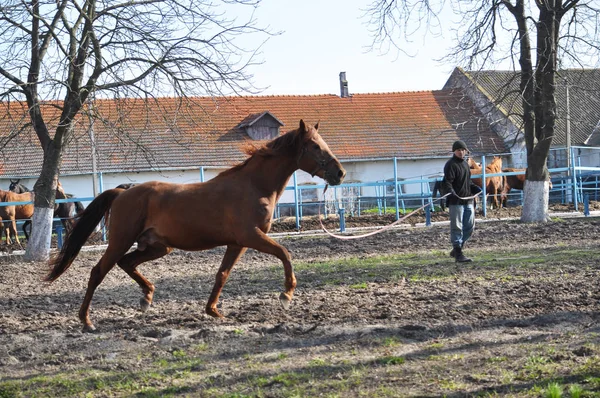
(90, 217)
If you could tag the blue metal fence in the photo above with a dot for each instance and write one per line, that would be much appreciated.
(575, 184)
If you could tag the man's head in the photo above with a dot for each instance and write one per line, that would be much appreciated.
(460, 149)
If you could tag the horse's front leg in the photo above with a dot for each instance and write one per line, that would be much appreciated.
(261, 242)
(232, 255)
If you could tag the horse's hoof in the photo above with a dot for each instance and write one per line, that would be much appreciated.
(88, 329)
(144, 304)
(285, 301)
(214, 313)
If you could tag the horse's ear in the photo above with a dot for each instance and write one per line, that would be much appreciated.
(303, 126)
(317, 125)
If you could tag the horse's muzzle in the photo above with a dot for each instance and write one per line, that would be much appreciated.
(335, 174)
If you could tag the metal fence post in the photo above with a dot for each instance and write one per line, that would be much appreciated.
(297, 206)
(427, 216)
(341, 212)
(396, 188)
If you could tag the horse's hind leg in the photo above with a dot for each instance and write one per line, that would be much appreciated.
(24, 227)
(130, 261)
(13, 228)
(97, 274)
(232, 255)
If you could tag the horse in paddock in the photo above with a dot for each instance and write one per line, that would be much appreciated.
(511, 182)
(9, 214)
(234, 209)
(66, 211)
(493, 186)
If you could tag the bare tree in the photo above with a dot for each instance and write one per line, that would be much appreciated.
(56, 54)
(535, 37)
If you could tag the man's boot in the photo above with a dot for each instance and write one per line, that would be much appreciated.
(460, 257)
(453, 252)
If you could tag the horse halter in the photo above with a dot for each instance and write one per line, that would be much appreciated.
(321, 163)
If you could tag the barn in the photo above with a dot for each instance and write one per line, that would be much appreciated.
(377, 137)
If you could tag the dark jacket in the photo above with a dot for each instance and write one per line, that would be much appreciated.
(457, 179)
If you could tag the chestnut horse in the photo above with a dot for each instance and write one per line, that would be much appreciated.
(9, 214)
(66, 211)
(234, 209)
(493, 186)
(516, 181)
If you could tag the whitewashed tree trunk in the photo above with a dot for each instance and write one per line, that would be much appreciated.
(535, 203)
(41, 234)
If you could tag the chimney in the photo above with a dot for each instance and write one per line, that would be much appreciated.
(343, 85)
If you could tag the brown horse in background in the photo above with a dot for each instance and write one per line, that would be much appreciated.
(66, 211)
(493, 186)
(9, 214)
(516, 181)
(233, 209)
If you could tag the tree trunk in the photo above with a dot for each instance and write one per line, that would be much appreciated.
(535, 203)
(38, 246)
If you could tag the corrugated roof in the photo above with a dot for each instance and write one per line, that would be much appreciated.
(136, 134)
(502, 87)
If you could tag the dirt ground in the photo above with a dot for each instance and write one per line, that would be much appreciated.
(40, 333)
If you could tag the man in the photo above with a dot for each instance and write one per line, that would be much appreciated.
(457, 181)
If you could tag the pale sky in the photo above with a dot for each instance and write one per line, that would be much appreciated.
(322, 38)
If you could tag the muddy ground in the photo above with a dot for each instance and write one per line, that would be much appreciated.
(336, 320)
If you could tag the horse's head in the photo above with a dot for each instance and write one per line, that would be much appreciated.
(495, 165)
(316, 157)
(473, 164)
(60, 192)
(17, 187)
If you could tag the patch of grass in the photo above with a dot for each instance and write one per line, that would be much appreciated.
(451, 385)
(447, 357)
(554, 390)
(391, 342)
(362, 285)
(391, 360)
(575, 391)
(537, 367)
(179, 354)
(435, 346)
(200, 347)
(317, 362)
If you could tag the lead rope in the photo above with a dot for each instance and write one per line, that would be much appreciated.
(345, 237)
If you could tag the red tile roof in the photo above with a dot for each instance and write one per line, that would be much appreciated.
(167, 133)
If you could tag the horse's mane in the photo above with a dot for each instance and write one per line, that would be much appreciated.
(287, 144)
(494, 165)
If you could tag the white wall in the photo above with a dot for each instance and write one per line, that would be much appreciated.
(368, 171)
(82, 186)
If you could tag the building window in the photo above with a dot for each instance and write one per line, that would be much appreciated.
(391, 189)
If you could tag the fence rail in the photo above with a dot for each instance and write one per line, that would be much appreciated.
(573, 184)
